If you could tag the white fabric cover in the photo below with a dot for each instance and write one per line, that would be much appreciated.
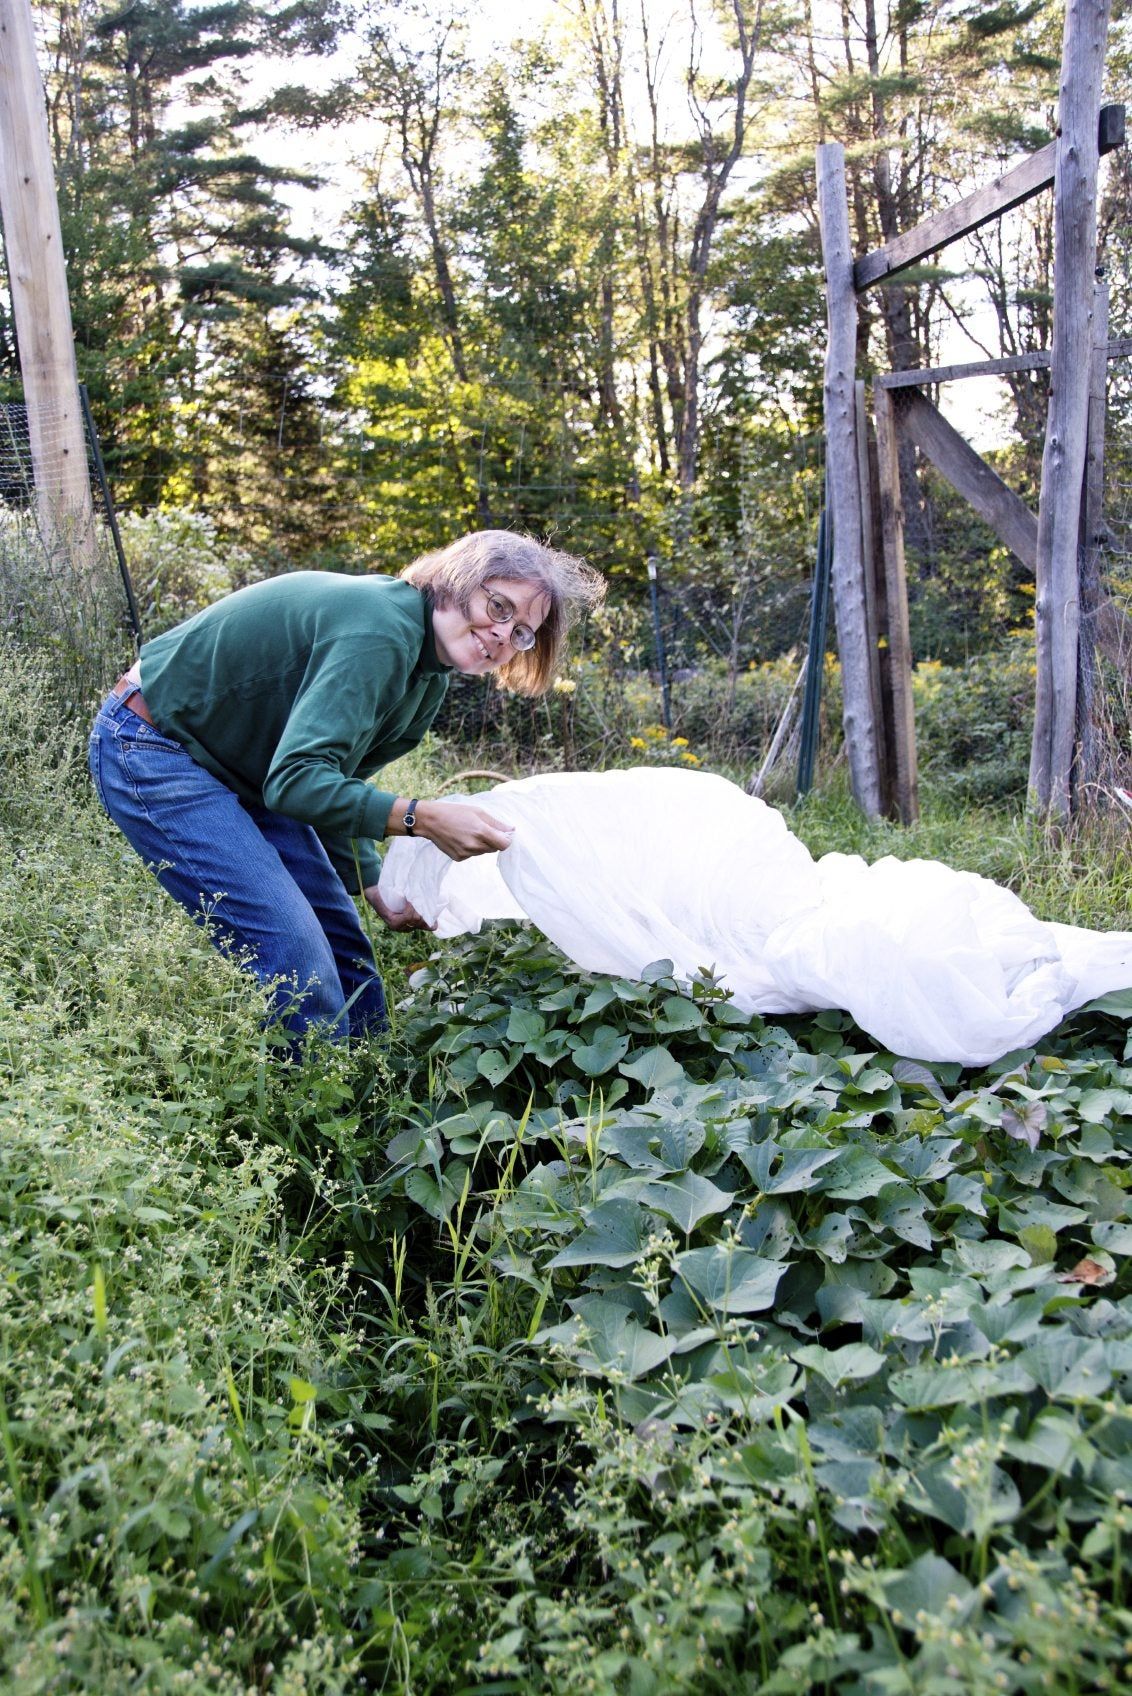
(622, 868)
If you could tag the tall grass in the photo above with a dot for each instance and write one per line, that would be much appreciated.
(1080, 873)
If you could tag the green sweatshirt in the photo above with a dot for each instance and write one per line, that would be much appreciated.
(295, 690)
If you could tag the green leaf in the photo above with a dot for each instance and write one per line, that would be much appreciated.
(901, 1211)
(926, 1159)
(655, 1068)
(615, 1235)
(686, 1199)
(616, 1340)
(731, 1280)
(1014, 1320)
(1040, 1244)
(914, 1074)
(437, 1200)
(228, 1542)
(602, 1053)
(494, 1065)
(678, 1014)
(1038, 1210)
(971, 1511)
(1054, 1441)
(551, 1048)
(846, 1365)
(985, 1258)
(965, 1194)
(795, 1172)
(525, 1026)
(1067, 1366)
(967, 1384)
(656, 1145)
(656, 971)
(855, 1174)
(598, 998)
(927, 1587)
(423, 1188)
(1115, 1235)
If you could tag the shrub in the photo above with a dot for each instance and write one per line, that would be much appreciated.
(974, 722)
(180, 564)
(71, 616)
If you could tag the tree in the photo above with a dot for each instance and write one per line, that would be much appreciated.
(173, 228)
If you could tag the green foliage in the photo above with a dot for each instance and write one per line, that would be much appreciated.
(966, 591)
(587, 1336)
(179, 565)
(72, 619)
(843, 1336)
(975, 723)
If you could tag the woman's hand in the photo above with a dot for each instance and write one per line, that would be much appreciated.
(458, 831)
(397, 918)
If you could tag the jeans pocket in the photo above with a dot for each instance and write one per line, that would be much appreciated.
(147, 735)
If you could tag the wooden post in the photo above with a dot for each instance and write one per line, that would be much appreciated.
(1090, 750)
(876, 603)
(849, 600)
(970, 475)
(40, 304)
(896, 595)
(1063, 461)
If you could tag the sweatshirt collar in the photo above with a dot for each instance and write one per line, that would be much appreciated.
(430, 660)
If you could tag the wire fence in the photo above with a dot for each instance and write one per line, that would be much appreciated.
(71, 602)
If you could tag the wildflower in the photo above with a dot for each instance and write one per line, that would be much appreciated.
(564, 685)
(636, 742)
(679, 741)
(690, 759)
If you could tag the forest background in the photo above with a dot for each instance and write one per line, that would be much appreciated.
(349, 278)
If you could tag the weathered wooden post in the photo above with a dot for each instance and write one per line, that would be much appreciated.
(1063, 461)
(40, 304)
(1089, 743)
(896, 599)
(849, 597)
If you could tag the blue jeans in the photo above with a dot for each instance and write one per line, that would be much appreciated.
(261, 883)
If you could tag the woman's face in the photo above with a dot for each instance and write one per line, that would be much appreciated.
(474, 642)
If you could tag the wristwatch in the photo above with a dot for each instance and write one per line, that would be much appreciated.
(410, 817)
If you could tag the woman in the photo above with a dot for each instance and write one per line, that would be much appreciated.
(234, 755)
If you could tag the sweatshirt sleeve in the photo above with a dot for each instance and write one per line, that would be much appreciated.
(357, 863)
(334, 721)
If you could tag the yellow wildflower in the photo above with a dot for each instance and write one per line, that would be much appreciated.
(679, 741)
(636, 742)
(690, 759)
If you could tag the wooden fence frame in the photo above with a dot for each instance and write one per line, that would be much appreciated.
(869, 584)
(29, 211)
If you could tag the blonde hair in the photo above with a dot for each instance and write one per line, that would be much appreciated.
(452, 575)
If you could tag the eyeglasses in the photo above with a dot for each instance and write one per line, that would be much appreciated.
(500, 611)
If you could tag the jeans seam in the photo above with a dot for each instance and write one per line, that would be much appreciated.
(159, 829)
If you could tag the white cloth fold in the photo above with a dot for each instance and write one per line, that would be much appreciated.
(623, 868)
